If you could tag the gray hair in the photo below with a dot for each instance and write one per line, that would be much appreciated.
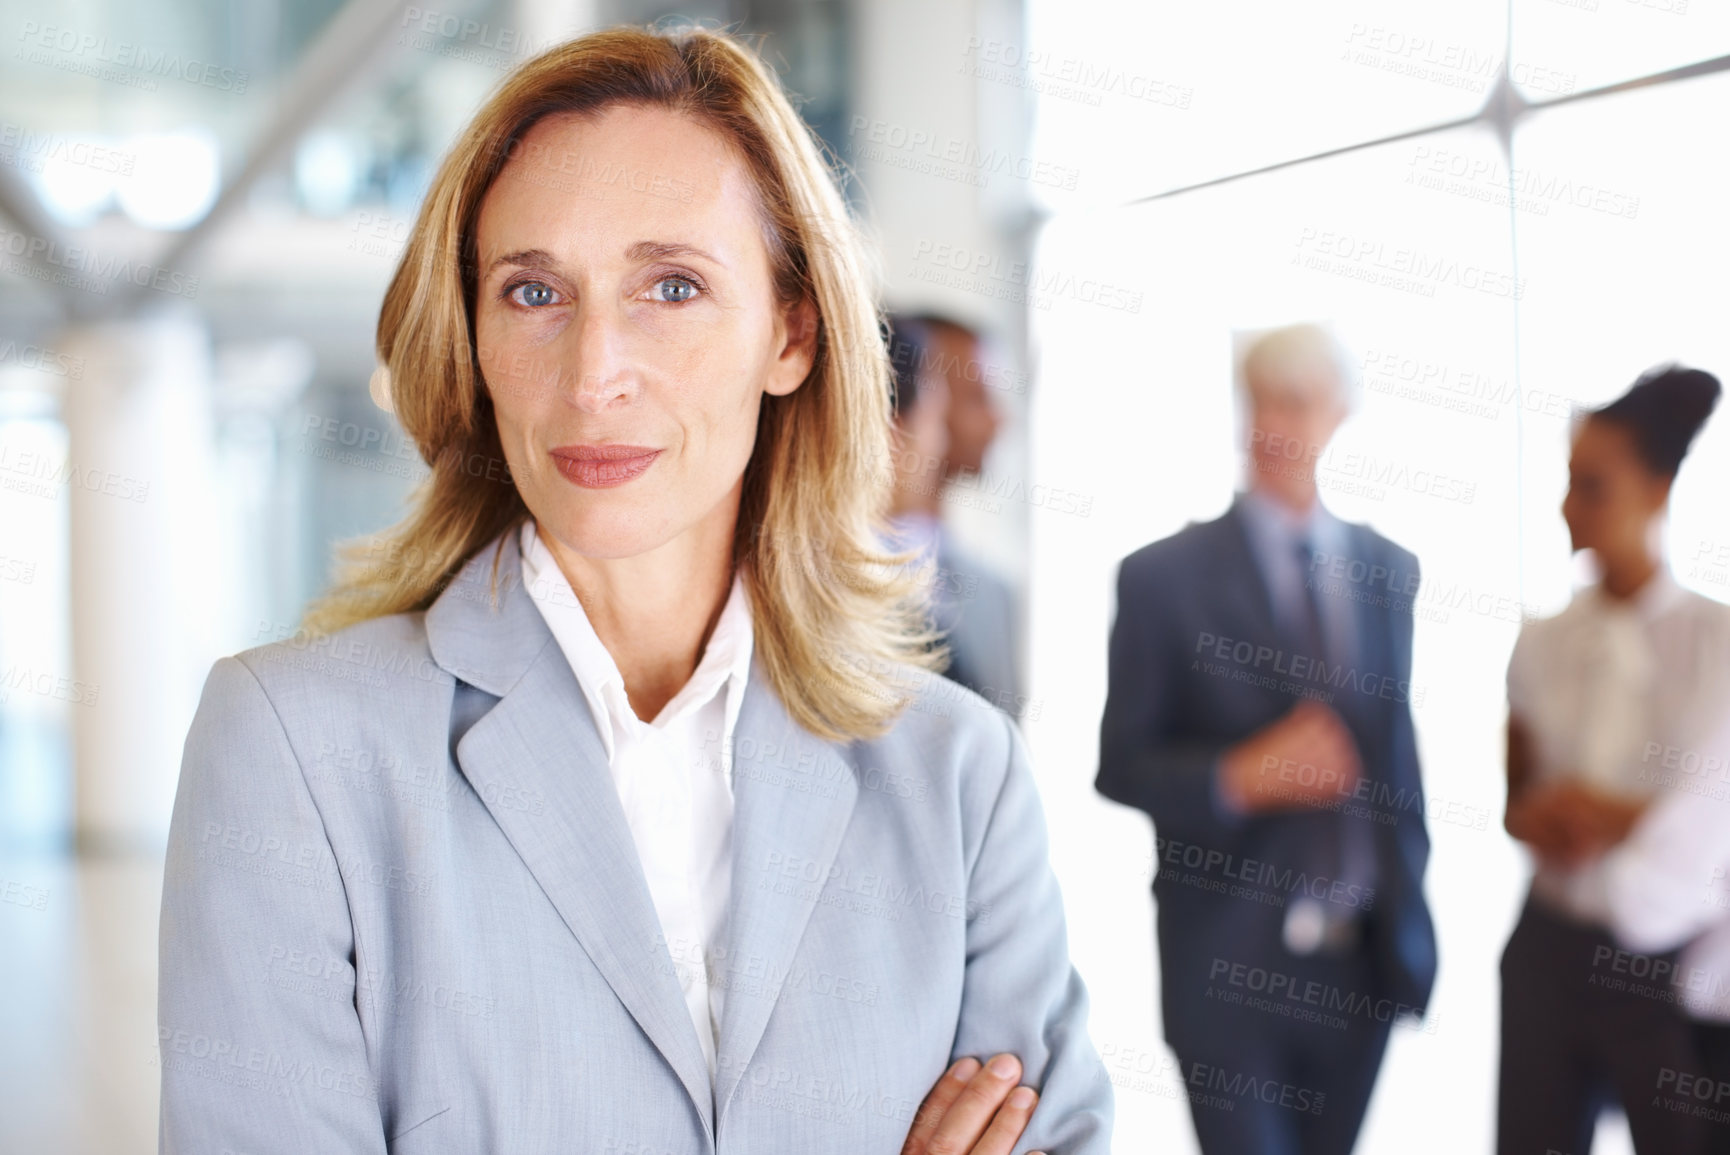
(1304, 341)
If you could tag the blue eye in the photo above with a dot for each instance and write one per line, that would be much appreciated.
(533, 294)
(674, 290)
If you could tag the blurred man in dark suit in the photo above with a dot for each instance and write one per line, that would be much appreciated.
(1259, 711)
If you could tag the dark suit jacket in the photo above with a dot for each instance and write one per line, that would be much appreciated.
(1197, 663)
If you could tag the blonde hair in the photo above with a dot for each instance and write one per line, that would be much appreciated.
(840, 623)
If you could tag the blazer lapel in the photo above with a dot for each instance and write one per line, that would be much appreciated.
(537, 762)
(1371, 654)
(1370, 621)
(1242, 584)
(793, 795)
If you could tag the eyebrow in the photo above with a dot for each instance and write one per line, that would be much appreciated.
(657, 250)
(641, 251)
(522, 258)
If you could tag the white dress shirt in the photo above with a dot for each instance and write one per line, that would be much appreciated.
(1275, 530)
(1669, 881)
(1608, 690)
(674, 774)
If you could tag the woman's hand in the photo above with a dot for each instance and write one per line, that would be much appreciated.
(1541, 817)
(1607, 818)
(1568, 823)
(973, 1110)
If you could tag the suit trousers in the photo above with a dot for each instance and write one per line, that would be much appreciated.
(1712, 1041)
(1580, 1031)
(1287, 1073)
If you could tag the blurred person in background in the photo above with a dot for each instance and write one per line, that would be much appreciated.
(975, 607)
(919, 402)
(1634, 664)
(577, 817)
(1259, 711)
(1667, 887)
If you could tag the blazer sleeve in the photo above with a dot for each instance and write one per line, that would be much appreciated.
(1143, 761)
(1020, 993)
(259, 1040)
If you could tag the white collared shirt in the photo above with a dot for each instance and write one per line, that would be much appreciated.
(1274, 533)
(1669, 880)
(674, 775)
(1606, 689)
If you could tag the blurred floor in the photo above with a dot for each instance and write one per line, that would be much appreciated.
(78, 1004)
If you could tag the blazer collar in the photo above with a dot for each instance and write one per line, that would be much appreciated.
(487, 646)
(538, 764)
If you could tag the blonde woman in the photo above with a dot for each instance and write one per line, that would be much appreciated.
(608, 803)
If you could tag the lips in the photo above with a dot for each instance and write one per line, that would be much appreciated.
(603, 466)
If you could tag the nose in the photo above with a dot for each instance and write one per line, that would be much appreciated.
(606, 376)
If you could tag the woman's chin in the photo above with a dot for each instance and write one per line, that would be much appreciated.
(607, 535)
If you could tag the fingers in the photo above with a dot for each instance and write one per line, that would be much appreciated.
(1339, 750)
(1008, 1124)
(1568, 843)
(1307, 722)
(1572, 835)
(1607, 817)
(972, 1111)
(1589, 819)
(1541, 817)
(1314, 733)
(1307, 758)
(937, 1104)
(1336, 734)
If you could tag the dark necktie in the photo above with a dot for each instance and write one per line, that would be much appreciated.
(1313, 631)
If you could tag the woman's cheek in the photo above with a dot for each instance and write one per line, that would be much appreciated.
(518, 376)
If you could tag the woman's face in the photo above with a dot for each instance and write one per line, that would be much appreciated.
(628, 327)
(1612, 494)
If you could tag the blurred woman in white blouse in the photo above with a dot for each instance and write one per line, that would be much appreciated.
(1667, 886)
(1635, 664)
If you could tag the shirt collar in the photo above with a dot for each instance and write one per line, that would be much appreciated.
(1271, 520)
(1657, 597)
(726, 660)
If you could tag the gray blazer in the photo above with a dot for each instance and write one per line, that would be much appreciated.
(403, 912)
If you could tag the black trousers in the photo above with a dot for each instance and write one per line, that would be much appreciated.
(1712, 1040)
(1581, 1029)
(1271, 1074)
